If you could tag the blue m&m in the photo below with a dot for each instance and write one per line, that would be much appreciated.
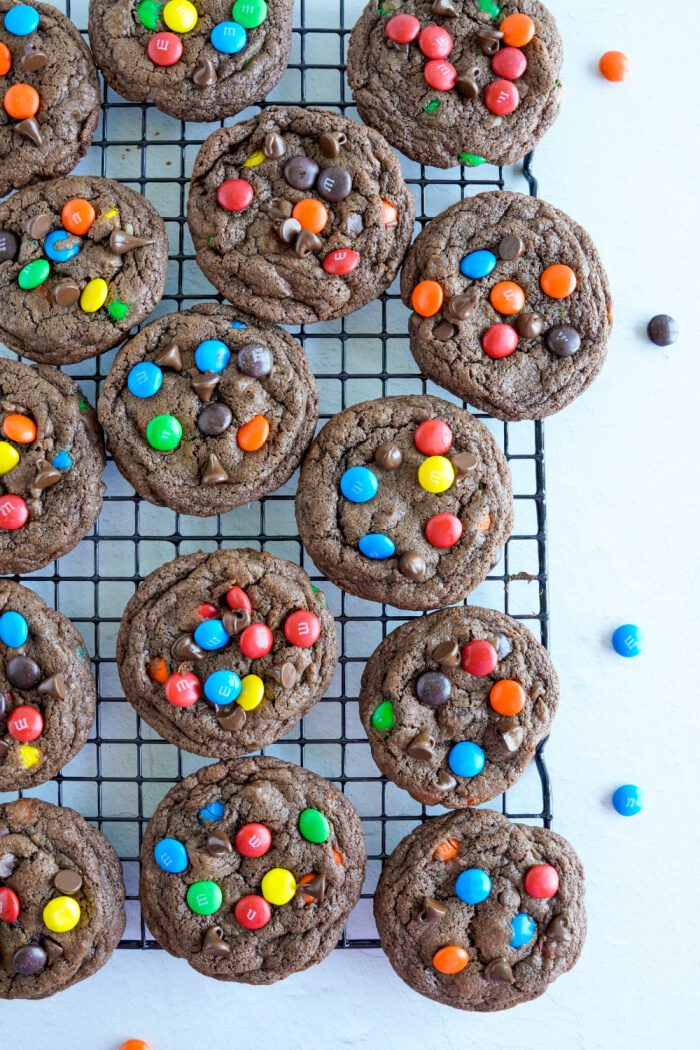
(21, 20)
(212, 356)
(229, 37)
(14, 629)
(466, 759)
(211, 634)
(222, 687)
(62, 460)
(359, 484)
(473, 886)
(376, 546)
(212, 812)
(145, 379)
(52, 241)
(628, 640)
(478, 264)
(171, 855)
(523, 928)
(628, 800)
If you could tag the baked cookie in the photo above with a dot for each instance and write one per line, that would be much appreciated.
(51, 463)
(61, 899)
(455, 704)
(405, 500)
(479, 913)
(51, 94)
(242, 632)
(457, 81)
(197, 61)
(47, 692)
(511, 305)
(203, 413)
(250, 868)
(82, 260)
(299, 215)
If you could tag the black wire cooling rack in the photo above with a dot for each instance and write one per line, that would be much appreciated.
(125, 769)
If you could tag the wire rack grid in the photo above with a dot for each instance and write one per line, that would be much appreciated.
(125, 769)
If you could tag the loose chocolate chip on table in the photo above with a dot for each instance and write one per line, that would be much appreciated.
(529, 326)
(306, 243)
(38, 226)
(214, 943)
(446, 654)
(334, 184)
(205, 74)
(499, 971)
(287, 230)
(432, 911)
(232, 721)
(283, 674)
(185, 648)
(300, 172)
(29, 960)
(662, 330)
(66, 292)
(412, 565)
(8, 245)
(214, 473)
(254, 359)
(510, 247)
(23, 672)
(563, 340)
(29, 129)
(53, 687)
(331, 143)
(8, 863)
(205, 384)
(444, 331)
(513, 738)
(215, 418)
(273, 146)
(422, 747)
(218, 843)
(170, 357)
(68, 882)
(433, 688)
(388, 456)
(464, 463)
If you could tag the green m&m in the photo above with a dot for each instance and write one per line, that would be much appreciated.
(249, 13)
(383, 716)
(118, 311)
(33, 274)
(204, 898)
(471, 160)
(164, 433)
(313, 825)
(490, 7)
(148, 13)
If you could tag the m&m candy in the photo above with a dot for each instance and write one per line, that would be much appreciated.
(256, 641)
(436, 474)
(278, 886)
(211, 634)
(204, 898)
(541, 881)
(21, 101)
(433, 437)
(229, 37)
(500, 340)
(212, 356)
(518, 30)
(377, 546)
(78, 215)
(56, 253)
(478, 264)
(235, 195)
(501, 97)
(507, 697)
(440, 75)
(252, 692)
(171, 855)
(402, 29)
(164, 433)
(13, 512)
(450, 959)
(249, 13)
(359, 484)
(473, 886)
(252, 912)
(628, 640)
(21, 20)
(5, 67)
(614, 66)
(14, 629)
(180, 16)
(302, 628)
(61, 915)
(435, 42)
(466, 759)
(628, 800)
(62, 460)
(148, 13)
(443, 530)
(479, 658)
(94, 295)
(507, 297)
(236, 598)
(20, 428)
(253, 840)
(253, 434)
(558, 281)
(33, 274)
(145, 379)
(382, 717)
(340, 262)
(523, 929)
(222, 687)
(25, 723)
(9, 905)
(164, 49)
(509, 63)
(311, 214)
(314, 826)
(183, 690)
(427, 298)
(212, 812)
(9, 457)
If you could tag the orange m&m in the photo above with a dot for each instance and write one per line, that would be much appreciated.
(450, 959)
(507, 697)
(253, 434)
(427, 298)
(311, 214)
(615, 66)
(135, 1044)
(21, 101)
(507, 297)
(518, 30)
(446, 850)
(19, 428)
(390, 213)
(77, 216)
(558, 281)
(338, 856)
(157, 671)
(5, 60)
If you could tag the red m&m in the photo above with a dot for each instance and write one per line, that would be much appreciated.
(500, 340)
(542, 881)
(164, 49)
(253, 840)
(341, 262)
(302, 628)
(256, 641)
(236, 598)
(252, 912)
(235, 195)
(402, 29)
(433, 437)
(13, 512)
(25, 723)
(509, 63)
(440, 75)
(443, 530)
(183, 690)
(501, 97)
(9, 904)
(435, 42)
(207, 611)
(479, 658)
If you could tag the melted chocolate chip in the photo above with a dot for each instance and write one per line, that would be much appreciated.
(205, 74)
(422, 747)
(218, 843)
(388, 456)
(205, 384)
(170, 357)
(288, 230)
(38, 226)
(446, 654)
(185, 648)
(214, 473)
(412, 565)
(68, 882)
(529, 326)
(306, 243)
(432, 911)
(54, 687)
(273, 146)
(499, 972)
(232, 721)
(214, 943)
(29, 129)
(331, 143)
(283, 674)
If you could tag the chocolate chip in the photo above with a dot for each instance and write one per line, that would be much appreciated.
(529, 326)
(46, 476)
(232, 721)
(331, 143)
(464, 463)
(300, 172)
(444, 331)
(214, 473)
(513, 738)
(4, 703)
(235, 621)
(8, 863)
(287, 230)
(334, 184)
(352, 225)
(563, 340)
(412, 565)
(205, 384)
(185, 648)
(29, 960)
(214, 943)
(559, 930)
(489, 41)
(433, 688)
(121, 242)
(422, 747)
(444, 9)
(23, 672)
(53, 951)
(29, 129)
(170, 357)
(38, 226)
(283, 674)
(388, 456)
(446, 654)
(215, 418)
(306, 243)
(499, 972)
(8, 245)
(205, 74)
(467, 86)
(280, 209)
(510, 247)
(662, 330)
(315, 889)
(432, 911)
(54, 687)
(218, 843)
(445, 781)
(254, 359)
(460, 307)
(68, 882)
(537, 690)
(5, 746)
(66, 292)
(31, 59)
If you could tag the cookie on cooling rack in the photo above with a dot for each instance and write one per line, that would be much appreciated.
(479, 913)
(202, 61)
(223, 653)
(457, 81)
(47, 692)
(405, 500)
(51, 463)
(250, 868)
(203, 413)
(51, 95)
(455, 704)
(82, 260)
(511, 305)
(61, 899)
(299, 215)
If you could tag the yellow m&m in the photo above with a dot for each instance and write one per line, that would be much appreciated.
(278, 886)
(9, 457)
(94, 295)
(29, 756)
(180, 16)
(61, 914)
(436, 474)
(254, 160)
(252, 692)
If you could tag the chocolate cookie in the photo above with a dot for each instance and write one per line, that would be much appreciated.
(61, 899)
(203, 413)
(197, 61)
(82, 260)
(405, 500)
(455, 704)
(51, 95)
(222, 653)
(47, 692)
(457, 81)
(479, 913)
(51, 463)
(299, 215)
(250, 868)
(511, 305)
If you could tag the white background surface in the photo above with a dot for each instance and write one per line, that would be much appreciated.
(623, 512)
